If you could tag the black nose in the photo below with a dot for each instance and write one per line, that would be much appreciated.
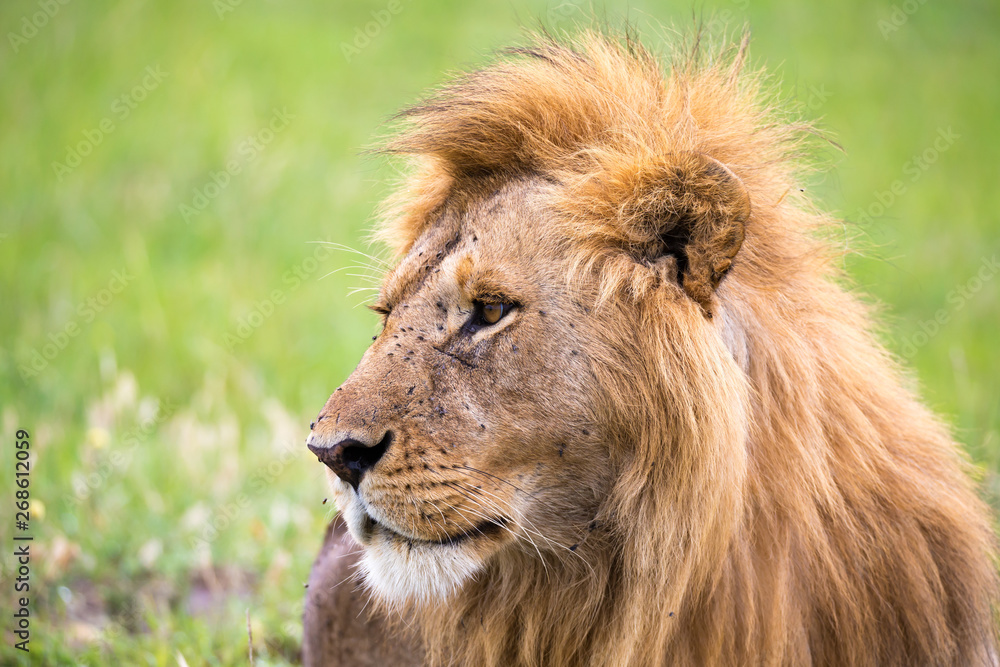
(350, 459)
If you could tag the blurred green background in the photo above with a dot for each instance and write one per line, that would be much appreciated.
(169, 324)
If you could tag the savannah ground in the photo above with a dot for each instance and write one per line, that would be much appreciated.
(169, 325)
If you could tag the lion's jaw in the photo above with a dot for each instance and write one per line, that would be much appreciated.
(483, 444)
(401, 569)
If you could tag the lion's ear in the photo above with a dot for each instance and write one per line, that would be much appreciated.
(698, 209)
(684, 205)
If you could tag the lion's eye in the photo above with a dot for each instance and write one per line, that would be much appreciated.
(383, 312)
(381, 309)
(491, 313)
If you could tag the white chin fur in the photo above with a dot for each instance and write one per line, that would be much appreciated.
(399, 574)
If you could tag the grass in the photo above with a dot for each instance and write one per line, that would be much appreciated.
(171, 491)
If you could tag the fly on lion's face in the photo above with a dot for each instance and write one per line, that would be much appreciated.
(417, 445)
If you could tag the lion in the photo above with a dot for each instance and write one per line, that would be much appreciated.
(623, 409)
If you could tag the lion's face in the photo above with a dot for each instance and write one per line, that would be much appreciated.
(469, 427)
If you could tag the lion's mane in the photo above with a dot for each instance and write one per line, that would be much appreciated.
(783, 497)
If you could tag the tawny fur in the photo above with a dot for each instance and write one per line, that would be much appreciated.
(756, 484)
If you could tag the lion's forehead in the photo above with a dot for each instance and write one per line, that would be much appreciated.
(505, 229)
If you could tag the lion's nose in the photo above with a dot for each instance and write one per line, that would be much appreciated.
(350, 459)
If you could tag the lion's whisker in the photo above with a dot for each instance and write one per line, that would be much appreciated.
(541, 558)
(362, 289)
(340, 246)
(526, 535)
(530, 496)
(521, 520)
(444, 519)
(500, 479)
(375, 280)
(367, 602)
(356, 574)
(374, 275)
(482, 472)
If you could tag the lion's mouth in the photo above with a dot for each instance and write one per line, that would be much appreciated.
(486, 529)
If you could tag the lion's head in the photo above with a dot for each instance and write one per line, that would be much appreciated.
(450, 442)
(613, 402)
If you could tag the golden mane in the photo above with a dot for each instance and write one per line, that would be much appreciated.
(782, 498)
